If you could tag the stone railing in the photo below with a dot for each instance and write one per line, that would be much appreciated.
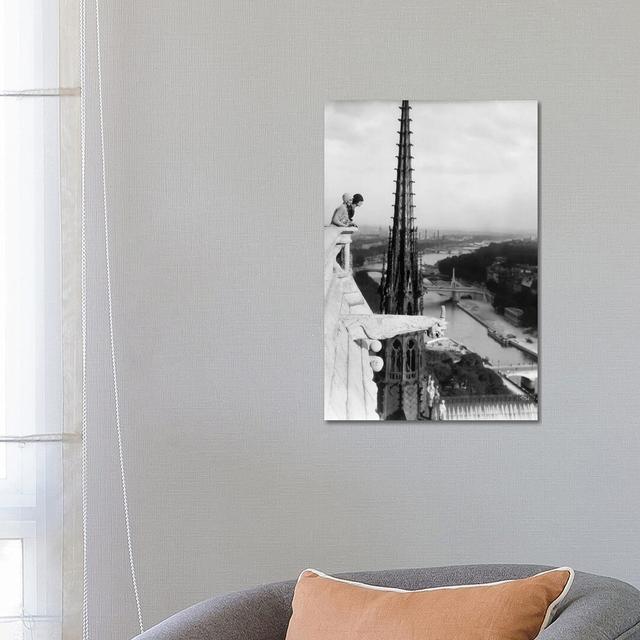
(337, 252)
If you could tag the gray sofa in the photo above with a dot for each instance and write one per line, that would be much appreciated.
(596, 608)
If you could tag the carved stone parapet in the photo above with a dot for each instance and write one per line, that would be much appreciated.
(338, 248)
(381, 326)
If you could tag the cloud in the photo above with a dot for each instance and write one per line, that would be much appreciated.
(475, 163)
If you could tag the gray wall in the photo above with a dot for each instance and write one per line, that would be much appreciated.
(214, 133)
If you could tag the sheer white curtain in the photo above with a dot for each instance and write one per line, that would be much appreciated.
(40, 542)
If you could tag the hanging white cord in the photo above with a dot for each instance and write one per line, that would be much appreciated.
(83, 304)
(114, 370)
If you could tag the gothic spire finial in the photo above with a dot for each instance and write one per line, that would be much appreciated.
(402, 292)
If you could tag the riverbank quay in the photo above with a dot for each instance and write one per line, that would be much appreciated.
(524, 347)
(484, 313)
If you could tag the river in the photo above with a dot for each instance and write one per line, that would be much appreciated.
(466, 330)
(462, 327)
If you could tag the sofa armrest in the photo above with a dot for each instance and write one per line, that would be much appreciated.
(597, 608)
(257, 614)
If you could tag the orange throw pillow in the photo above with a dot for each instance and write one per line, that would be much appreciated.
(326, 608)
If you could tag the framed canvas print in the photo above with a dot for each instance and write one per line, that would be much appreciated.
(431, 261)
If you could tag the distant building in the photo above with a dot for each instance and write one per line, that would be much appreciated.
(514, 278)
(514, 315)
(530, 282)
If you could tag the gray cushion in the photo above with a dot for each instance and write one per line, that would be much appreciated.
(596, 608)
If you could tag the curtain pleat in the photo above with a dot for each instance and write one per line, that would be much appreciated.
(40, 327)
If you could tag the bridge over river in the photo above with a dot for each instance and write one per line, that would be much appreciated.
(453, 287)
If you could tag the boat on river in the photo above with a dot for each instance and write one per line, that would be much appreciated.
(503, 339)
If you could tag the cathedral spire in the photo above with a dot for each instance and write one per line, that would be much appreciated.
(402, 290)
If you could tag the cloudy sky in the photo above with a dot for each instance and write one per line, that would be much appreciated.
(475, 163)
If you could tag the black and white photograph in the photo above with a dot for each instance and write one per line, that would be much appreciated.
(431, 261)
